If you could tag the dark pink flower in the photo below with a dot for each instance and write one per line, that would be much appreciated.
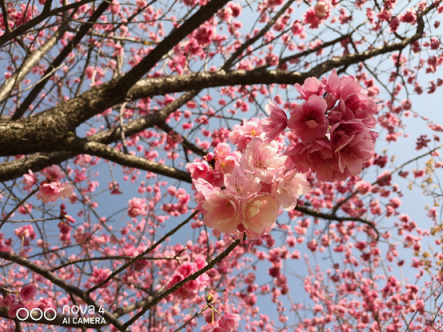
(12, 312)
(353, 142)
(8, 301)
(318, 157)
(357, 101)
(308, 120)
(28, 293)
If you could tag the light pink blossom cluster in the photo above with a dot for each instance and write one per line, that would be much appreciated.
(243, 190)
(317, 14)
(26, 234)
(51, 188)
(27, 293)
(191, 288)
(228, 323)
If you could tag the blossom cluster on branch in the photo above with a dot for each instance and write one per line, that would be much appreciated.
(329, 134)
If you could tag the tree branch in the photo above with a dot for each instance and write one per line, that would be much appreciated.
(29, 62)
(109, 153)
(167, 44)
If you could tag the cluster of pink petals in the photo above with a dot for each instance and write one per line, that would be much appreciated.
(334, 125)
(137, 206)
(51, 188)
(191, 288)
(26, 234)
(228, 323)
(27, 293)
(244, 191)
(315, 16)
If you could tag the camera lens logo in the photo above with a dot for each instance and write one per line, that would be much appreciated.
(33, 314)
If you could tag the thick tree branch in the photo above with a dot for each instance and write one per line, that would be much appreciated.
(14, 169)
(109, 153)
(138, 125)
(167, 44)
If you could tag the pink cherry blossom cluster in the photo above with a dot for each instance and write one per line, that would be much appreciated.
(243, 192)
(330, 135)
(334, 127)
(27, 293)
(228, 323)
(51, 188)
(26, 234)
(191, 288)
(317, 14)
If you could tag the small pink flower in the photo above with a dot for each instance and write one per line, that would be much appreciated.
(192, 287)
(241, 135)
(49, 192)
(198, 170)
(312, 19)
(26, 234)
(222, 150)
(229, 322)
(205, 34)
(28, 293)
(67, 190)
(137, 206)
(276, 124)
(25, 208)
(53, 173)
(308, 120)
(241, 184)
(362, 186)
(225, 159)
